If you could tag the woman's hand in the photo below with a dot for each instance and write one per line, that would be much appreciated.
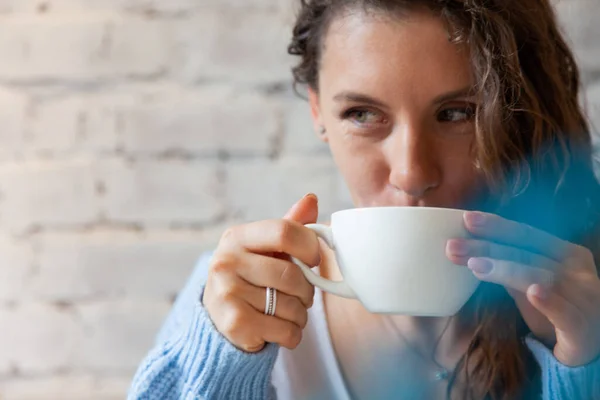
(252, 257)
(554, 283)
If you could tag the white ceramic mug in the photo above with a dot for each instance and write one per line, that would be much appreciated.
(393, 260)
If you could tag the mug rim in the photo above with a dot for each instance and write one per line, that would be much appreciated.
(382, 208)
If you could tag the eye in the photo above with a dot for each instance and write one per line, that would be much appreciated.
(361, 116)
(456, 114)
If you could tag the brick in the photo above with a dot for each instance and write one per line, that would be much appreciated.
(201, 123)
(16, 266)
(51, 6)
(38, 339)
(74, 125)
(99, 127)
(343, 196)
(110, 328)
(579, 19)
(238, 46)
(264, 189)
(69, 387)
(161, 192)
(141, 47)
(81, 48)
(593, 105)
(54, 127)
(592, 101)
(39, 193)
(195, 5)
(300, 137)
(155, 265)
(147, 6)
(13, 108)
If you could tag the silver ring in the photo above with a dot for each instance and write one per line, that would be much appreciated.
(270, 301)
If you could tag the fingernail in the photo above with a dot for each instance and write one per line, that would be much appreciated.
(457, 248)
(480, 265)
(475, 218)
(538, 291)
(294, 208)
(314, 196)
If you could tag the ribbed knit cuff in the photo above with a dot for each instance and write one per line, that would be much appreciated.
(562, 381)
(218, 370)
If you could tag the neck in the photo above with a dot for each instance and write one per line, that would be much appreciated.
(422, 332)
(426, 330)
(446, 338)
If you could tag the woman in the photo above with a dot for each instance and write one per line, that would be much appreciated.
(466, 104)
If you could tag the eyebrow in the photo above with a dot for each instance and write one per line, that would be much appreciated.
(363, 98)
(467, 91)
(358, 98)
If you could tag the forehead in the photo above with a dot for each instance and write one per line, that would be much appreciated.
(411, 53)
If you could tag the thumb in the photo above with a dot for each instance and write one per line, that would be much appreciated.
(305, 211)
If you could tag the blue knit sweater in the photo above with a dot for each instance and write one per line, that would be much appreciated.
(192, 360)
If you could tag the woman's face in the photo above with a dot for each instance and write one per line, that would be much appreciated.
(394, 100)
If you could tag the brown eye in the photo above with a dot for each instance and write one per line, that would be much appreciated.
(456, 114)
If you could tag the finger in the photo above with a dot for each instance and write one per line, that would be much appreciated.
(305, 211)
(460, 250)
(249, 329)
(582, 291)
(537, 322)
(279, 236)
(583, 260)
(276, 330)
(287, 307)
(498, 229)
(232, 275)
(561, 313)
(285, 276)
(510, 274)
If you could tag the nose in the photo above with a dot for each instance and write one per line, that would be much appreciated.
(412, 158)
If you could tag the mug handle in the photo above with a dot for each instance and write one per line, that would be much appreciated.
(340, 288)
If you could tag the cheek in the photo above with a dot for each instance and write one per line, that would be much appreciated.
(463, 182)
(363, 166)
(459, 171)
(455, 156)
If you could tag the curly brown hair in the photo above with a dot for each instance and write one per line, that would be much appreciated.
(532, 143)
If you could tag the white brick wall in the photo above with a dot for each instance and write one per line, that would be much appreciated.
(109, 328)
(67, 387)
(17, 265)
(581, 21)
(39, 339)
(13, 110)
(262, 189)
(160, 191)
(198, 123)
(47, 193)
(79, 47)
(133, 132)
(209, 49)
